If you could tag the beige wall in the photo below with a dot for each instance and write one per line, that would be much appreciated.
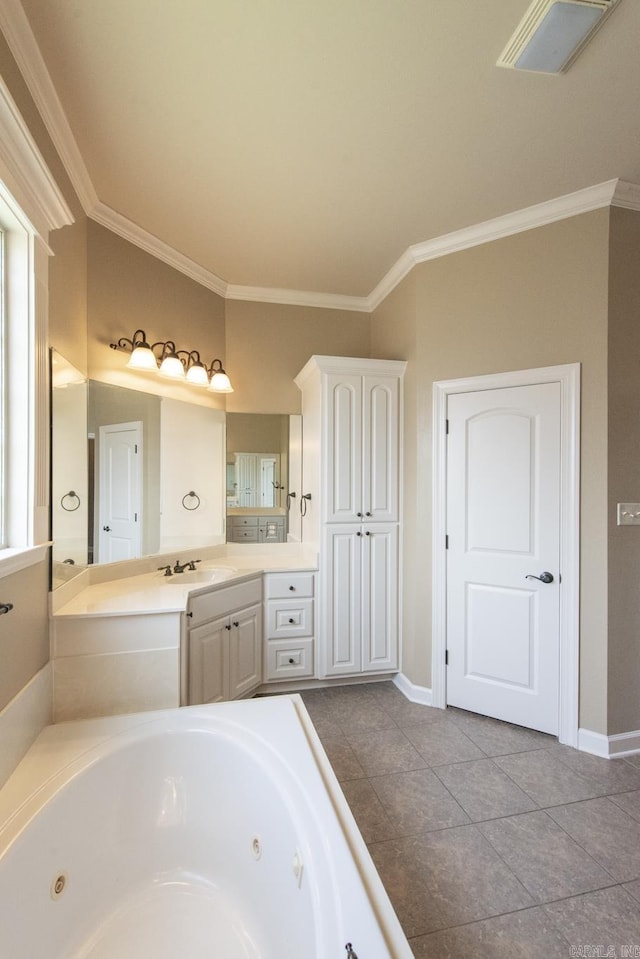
(24, 632)
(127, 290)
(267, 345)
(256, 433)
(624, 471)
(536, 299)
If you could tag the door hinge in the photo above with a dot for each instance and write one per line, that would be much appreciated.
(135, 517)
(446, 657)
(446, 427)
(135, 447)
(446, 541)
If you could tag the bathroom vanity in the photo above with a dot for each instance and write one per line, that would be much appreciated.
(148, 641)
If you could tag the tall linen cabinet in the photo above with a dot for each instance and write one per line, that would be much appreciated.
(352, 417)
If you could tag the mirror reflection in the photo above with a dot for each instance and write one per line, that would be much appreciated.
(147, 473)
(133, 474)
(257, 477)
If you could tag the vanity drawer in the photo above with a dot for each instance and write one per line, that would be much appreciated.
(238, 521)
(285, 618)
(220, 602)
(289, 585)
(241, 534)
(289, 660)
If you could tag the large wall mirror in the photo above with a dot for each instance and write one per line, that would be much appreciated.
(134, 474)
(262, 477)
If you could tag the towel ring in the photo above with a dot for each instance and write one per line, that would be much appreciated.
(191, 495)
(73, 495)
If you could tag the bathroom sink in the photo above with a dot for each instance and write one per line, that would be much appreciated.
(200, 577)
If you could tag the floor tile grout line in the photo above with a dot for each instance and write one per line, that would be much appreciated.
(593, 860)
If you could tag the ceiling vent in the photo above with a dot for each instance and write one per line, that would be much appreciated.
(552, 33)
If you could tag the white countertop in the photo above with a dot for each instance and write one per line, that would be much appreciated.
(152, 592)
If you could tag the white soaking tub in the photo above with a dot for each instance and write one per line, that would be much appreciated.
(210, 831)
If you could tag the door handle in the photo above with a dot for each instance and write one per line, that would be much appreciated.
(543, 577)
(107, 529)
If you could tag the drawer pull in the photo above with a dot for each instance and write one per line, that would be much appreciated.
(291, 660)
(291, 620)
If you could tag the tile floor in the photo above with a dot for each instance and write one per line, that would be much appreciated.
(492, 841)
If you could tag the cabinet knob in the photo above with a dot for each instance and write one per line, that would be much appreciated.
(228, 626)
(292, 620)
(368, 513)
(291, 660)
(292, 588)
(358, 533)
(367, 533)
(236, 624)
(359, 515)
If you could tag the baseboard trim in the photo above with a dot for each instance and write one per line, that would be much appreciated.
(416, 694)
(609, 747)
(23, 719)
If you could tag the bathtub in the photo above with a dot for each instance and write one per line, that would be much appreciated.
(208, 831)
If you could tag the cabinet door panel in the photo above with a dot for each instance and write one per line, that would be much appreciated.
(380, 448)
(208, 663)
(341, 600)
(245, 651)
(344, 445)
(379, 597)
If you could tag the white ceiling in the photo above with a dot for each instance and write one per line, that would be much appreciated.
(305, 144)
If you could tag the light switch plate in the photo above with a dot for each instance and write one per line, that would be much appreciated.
(628, 514)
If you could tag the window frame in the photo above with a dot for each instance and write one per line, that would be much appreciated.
(31, 205)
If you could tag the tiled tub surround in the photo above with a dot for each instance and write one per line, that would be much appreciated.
(492, 841)
(115, 643)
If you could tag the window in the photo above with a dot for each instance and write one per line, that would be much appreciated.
(31, 205)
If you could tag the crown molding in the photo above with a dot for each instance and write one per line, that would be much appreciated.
(22, 43)
(27, 175)
(626, 195)
(611, 192)
(327, 301)
(135, 234)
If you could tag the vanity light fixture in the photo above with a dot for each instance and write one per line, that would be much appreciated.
(220, 382)
(196, 370)
(170, 363)
(165, 359)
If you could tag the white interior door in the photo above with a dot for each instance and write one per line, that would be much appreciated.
(503, 527)
(120, 491)
(269, 473)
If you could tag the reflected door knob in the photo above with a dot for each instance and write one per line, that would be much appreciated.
(543, 577)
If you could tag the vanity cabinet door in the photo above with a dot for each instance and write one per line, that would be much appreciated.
(245, 651)
(208, 655)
